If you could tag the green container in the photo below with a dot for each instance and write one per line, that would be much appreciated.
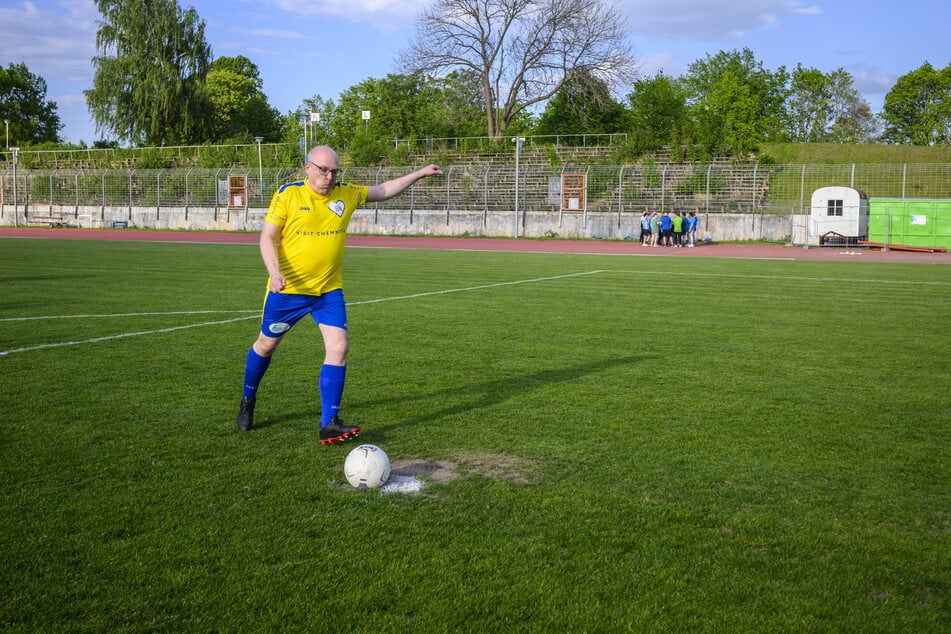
(911, 222)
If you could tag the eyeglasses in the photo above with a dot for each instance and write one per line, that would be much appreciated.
(323, 171)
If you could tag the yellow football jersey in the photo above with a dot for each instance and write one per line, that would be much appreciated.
(313, 234)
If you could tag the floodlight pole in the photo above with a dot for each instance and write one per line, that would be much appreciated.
(16, 159)
(6, 122)
(260, 169)
(518, 156)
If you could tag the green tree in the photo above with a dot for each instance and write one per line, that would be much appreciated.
(826, 108)
(735, 102)
(727, 117)
(149, 80)
(917, 109)
(583, 105)
(32, 118)
(809, 107)
(522, 51)
(461, 112)
(240, 109)
(658, 110)
(855, 123)
(347, 124)
(318, 132)
(400, 107)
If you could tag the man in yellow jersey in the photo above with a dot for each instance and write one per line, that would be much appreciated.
(302, 245)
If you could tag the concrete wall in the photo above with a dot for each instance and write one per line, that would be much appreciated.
(600, 225)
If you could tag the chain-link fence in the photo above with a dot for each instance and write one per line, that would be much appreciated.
(709, 188)
(171, 195)
(191, 187)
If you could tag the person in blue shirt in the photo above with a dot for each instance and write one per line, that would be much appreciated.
(692, 222)
(666, 230)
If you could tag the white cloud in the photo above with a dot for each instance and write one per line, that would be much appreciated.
(709, 21)
(873, 82)
(55, 42)
(670, 63)
(385, 15)
(275, 33)
(69, 100)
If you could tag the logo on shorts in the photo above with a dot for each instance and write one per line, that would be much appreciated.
(337, 207)
(279, 328)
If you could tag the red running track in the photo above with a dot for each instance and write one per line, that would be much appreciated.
(610, 247)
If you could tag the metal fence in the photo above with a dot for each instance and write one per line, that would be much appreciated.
(707, 188)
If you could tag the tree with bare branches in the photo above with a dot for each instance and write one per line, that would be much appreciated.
(522, 50)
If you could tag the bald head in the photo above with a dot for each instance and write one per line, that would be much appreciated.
(322, 167)
(325, 153)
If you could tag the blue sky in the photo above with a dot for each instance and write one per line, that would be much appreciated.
(308, 47)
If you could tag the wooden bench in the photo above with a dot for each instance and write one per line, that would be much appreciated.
(50, 220)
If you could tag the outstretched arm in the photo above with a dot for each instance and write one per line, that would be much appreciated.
(397, 185)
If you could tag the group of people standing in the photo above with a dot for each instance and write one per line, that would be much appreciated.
(668, 229)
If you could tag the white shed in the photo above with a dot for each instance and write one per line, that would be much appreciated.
(839, 216)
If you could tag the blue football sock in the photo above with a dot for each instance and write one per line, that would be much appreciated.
(332, 379)
(254, 369)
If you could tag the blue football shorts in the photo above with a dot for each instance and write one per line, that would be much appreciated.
(283, 310)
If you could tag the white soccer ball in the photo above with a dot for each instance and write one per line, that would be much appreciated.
(367, 467)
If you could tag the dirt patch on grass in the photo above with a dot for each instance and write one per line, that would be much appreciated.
(494, 466)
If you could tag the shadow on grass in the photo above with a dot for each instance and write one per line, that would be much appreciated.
(465, 398)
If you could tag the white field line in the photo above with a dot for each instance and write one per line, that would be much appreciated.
(256, 314)
(474, 288)
(120, 336)
(175, 312)
(788, 278)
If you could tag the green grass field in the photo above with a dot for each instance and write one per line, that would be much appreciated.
(638, 444)
(862, 153)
